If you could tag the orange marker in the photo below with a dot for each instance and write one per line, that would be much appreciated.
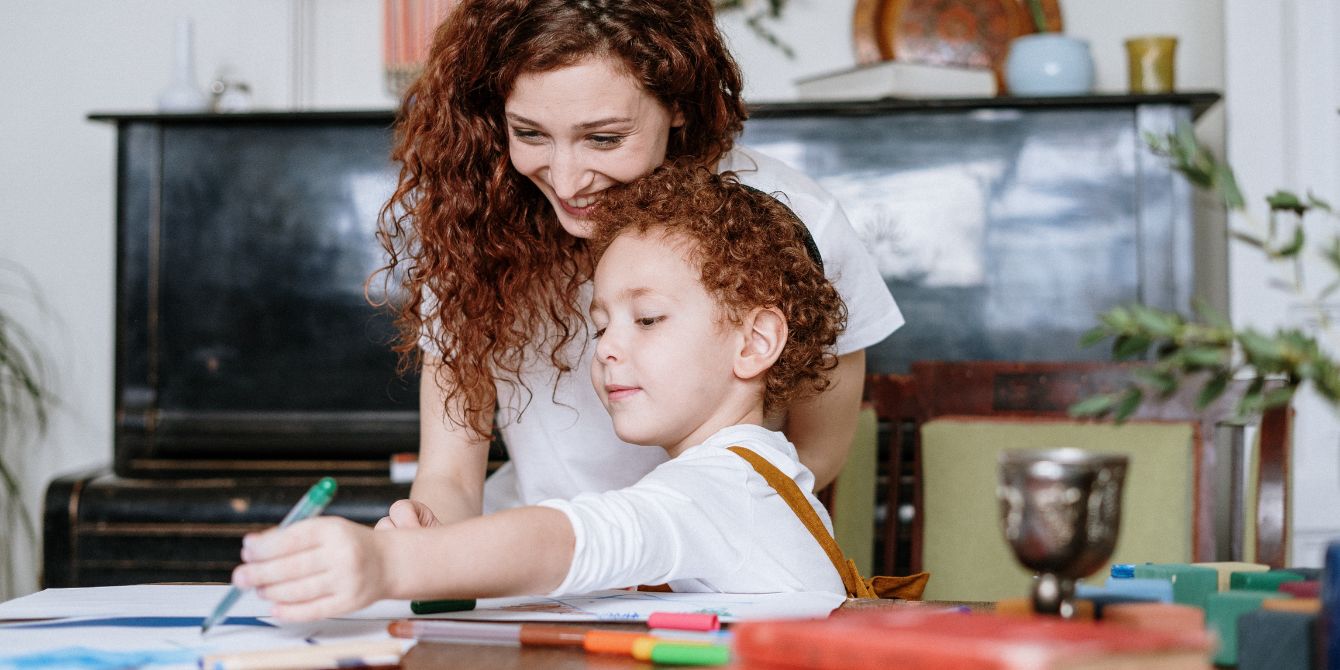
(470, 632)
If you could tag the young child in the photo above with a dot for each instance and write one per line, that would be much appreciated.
(710, 310)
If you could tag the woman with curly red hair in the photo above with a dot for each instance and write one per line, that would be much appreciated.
(710, 307)
(527, 111)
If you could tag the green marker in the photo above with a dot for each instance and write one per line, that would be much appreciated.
(440, 606)
(311, 505)
(671, 653)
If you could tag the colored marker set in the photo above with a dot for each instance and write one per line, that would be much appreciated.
(666, 642)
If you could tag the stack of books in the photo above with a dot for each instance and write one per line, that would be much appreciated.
(897, 79)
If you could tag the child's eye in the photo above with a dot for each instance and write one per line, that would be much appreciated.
(649, 321)
(599, 332)
(605, 141)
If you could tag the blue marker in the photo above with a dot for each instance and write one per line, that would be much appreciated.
(311, 505)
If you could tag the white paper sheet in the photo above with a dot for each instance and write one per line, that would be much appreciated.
(137, 600)
(83, 643)
(627, 606)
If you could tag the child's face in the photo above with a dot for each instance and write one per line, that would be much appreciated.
(664, 356)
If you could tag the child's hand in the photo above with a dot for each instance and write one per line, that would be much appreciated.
(406, 513)
(314, 569)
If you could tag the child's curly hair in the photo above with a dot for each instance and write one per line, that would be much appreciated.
(753, 253)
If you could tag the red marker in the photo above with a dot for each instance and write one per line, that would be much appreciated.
(684, 621)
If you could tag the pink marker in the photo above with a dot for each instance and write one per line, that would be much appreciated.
(683, 621)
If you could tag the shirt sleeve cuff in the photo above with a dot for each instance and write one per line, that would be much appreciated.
(578, 547)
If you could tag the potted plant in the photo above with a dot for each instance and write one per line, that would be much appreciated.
(1205, 346)
(24, 405)
(1047, 62)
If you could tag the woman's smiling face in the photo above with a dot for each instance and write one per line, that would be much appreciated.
(581, 129)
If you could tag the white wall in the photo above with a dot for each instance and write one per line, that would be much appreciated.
(60, 59)
(1284, 132)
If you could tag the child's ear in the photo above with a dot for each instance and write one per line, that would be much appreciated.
(676, 118)
(764, 330)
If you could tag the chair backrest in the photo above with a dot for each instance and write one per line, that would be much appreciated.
(1033, 399)
(851, 498)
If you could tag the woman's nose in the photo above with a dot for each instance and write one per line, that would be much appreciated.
(568, 173)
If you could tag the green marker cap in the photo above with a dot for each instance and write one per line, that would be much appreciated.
(671, 653)
(440, 606)
(322, 491)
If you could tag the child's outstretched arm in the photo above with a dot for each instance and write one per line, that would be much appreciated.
(330, 566)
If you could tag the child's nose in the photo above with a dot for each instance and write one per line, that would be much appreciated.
(607, 349)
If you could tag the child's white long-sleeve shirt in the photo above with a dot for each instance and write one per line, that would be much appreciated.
(703, 521)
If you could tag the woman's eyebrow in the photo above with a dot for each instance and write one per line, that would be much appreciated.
(520, 119)
(517, 118)
(603, 122)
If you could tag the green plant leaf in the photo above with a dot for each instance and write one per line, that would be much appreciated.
(1118, 319)
(1286, 201)
(1126, 347)
(1213, 390)
(1204, 356)
(1248, 238)
(1094, 406)
(1162, 381)
(1156, 323)
(1294, 246)
(1227, 185)
(1039, 17)
(1129, 402)
(1093, 336)
(1261, 351)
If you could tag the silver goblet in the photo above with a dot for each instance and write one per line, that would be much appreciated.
(1061, 510)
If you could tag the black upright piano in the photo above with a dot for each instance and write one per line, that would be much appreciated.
(249, 361)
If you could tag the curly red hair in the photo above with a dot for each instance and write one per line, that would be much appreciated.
(474, 246)
(752, 251)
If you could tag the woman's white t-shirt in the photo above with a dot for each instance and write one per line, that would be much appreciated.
(564, 444)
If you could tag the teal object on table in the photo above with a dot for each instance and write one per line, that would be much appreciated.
(1262, 581)
(1191, 584)
(312, 504)
(1222, 611)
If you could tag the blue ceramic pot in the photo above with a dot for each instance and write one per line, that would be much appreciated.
(1049, 64)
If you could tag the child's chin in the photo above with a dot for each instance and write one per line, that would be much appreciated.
(640, 439)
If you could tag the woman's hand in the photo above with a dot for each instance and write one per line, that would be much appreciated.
(408, 513)
(315, 569)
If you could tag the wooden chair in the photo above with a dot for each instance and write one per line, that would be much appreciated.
(1227, 522)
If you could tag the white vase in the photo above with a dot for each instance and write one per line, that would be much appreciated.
(182, 95)
(1049, 64)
